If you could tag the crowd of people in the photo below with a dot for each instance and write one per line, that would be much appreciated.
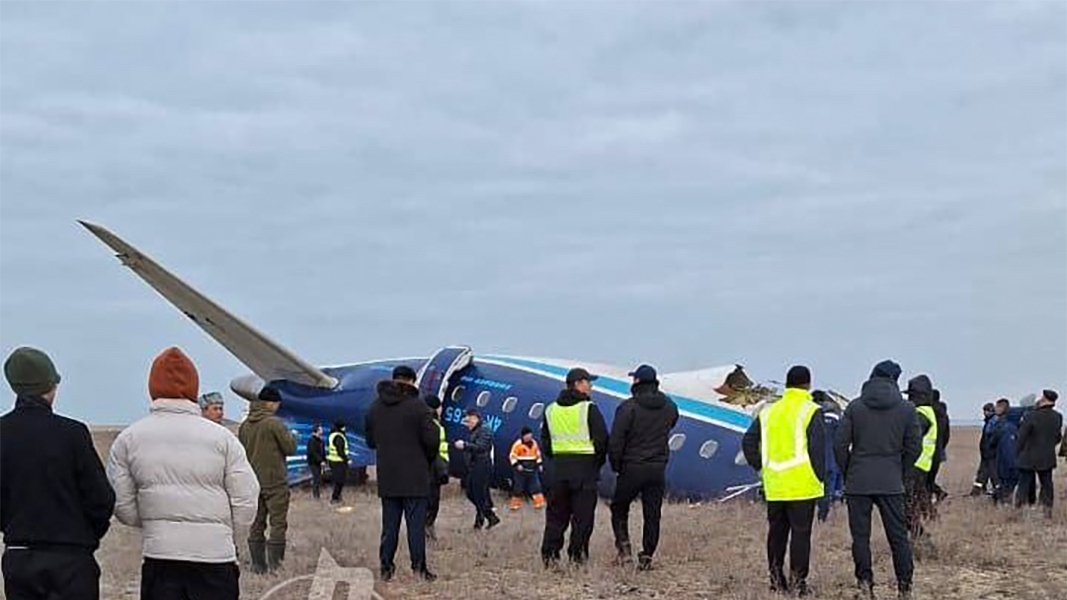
(188, 483)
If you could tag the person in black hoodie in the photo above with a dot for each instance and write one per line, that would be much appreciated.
(944, 434)
(638, 453)
(478, 451)
(402, 429)
(576, 452)
(316, 454)
(1036, 450)
(877, 440)
(55, 500)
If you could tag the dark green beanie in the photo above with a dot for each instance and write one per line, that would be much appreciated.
(30, 372)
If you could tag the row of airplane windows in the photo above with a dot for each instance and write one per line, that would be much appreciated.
(707, 449)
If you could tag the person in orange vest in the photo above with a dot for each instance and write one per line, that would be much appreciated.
(526, 460)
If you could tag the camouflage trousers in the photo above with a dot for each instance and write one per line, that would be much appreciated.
(273, 507)
(919, 507)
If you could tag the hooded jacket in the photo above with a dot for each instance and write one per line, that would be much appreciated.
(183, 480)
(878, 436)
(401, 428)
(53, 491)
(1038, 436)
(577, 466)
(1005, 443)
(641, 428)
(267, 442)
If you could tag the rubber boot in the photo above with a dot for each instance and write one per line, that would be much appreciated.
(275, 555)
(258, 552)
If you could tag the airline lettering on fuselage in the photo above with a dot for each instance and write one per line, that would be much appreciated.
(454, 414)
(489, 383)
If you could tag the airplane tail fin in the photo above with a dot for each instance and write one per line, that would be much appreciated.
(265, 357)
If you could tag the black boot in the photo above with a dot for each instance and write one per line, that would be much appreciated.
(492, 519)
(479, 521)
(644, 562)
(624, 554)
(424, 573)
(387, 572)
(275, 555)
(779, 584)
(258, 552)
(864, 590)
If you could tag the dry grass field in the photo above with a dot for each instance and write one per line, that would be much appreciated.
(709, 551)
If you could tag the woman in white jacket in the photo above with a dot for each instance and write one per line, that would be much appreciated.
(186, 482)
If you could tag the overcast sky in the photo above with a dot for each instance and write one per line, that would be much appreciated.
(688, 184)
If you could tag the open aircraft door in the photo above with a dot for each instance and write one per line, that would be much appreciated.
(434, 376)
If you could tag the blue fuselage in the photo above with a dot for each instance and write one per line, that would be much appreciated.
(510, 393)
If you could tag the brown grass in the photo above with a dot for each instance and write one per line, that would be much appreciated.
(711, 551)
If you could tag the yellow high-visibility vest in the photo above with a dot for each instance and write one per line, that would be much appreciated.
(568, 427)
(787, 472)
(442, 447)
(926, 459)
(331, 451)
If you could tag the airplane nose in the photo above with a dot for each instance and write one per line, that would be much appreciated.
(247, 387)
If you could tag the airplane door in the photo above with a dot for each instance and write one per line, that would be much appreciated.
(433, 377)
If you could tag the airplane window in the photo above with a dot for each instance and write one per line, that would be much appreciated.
(457, 393)
(483, 399)
(509, 404)
(740, 458)
(709, 449)
(537, 410)
(677, 441)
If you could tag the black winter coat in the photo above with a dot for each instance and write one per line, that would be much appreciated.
(1038, 436)
(577, 467)
(316, 451)
(478, 449)
(401, 428)
(877, 437)
(641, 428)
(53, 490)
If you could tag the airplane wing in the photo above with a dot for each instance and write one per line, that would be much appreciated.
(265, 357)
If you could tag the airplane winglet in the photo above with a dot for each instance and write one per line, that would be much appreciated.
(265, 357)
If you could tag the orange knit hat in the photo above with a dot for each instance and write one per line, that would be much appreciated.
(173, 376)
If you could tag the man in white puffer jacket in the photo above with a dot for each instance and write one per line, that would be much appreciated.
(187, 484)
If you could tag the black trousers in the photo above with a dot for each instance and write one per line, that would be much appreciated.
(316, 479)
(478, 490)
(646, 481)
(433, 504)
(891, 509)
(571, 503)
(1025, 492)
(51, 575)
(338, 475)
(413, 511)
(987, 473)
(181, 580)
(789, 524)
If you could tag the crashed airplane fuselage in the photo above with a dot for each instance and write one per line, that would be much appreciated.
(510, 391)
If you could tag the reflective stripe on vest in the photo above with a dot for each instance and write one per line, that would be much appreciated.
(331, 451)
(442, 447)
(926, 459)
(787, 472)
(568, 426)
